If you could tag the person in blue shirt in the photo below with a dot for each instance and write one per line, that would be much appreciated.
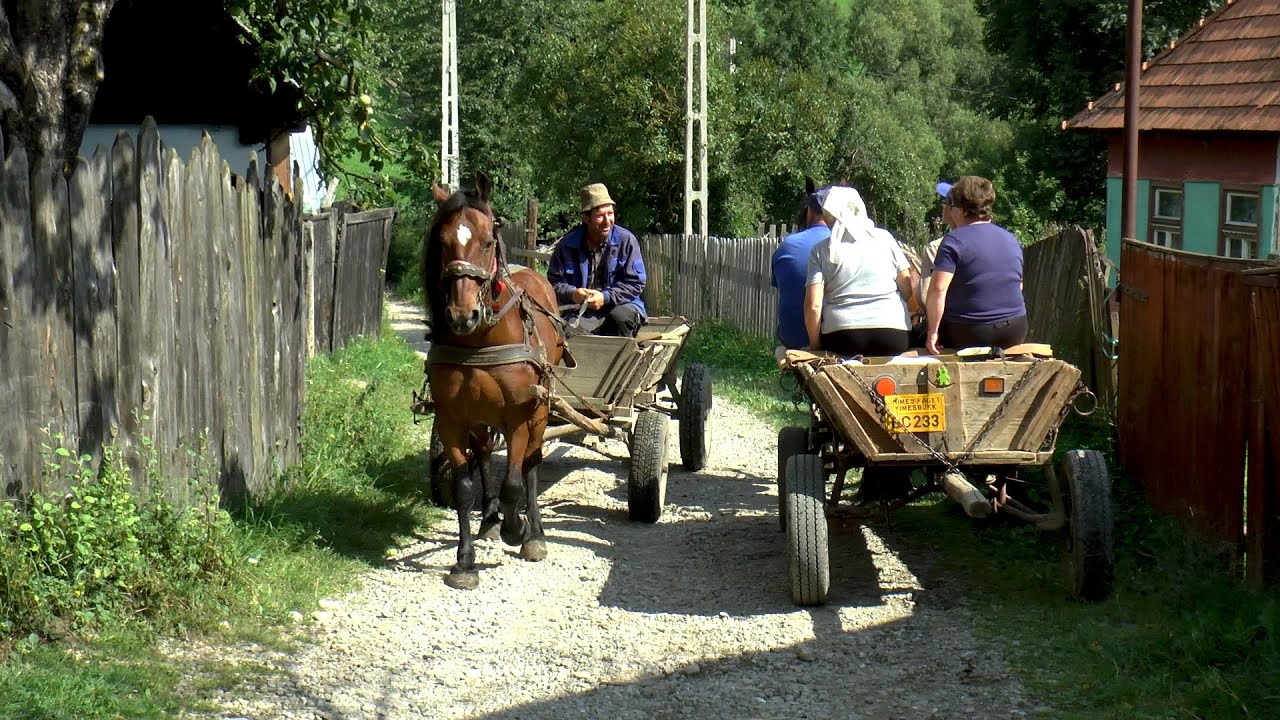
(599, 263)
(790, 265)
(975, 289)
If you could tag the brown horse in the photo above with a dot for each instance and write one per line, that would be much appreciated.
(494, 341)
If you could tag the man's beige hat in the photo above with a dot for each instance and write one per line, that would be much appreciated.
(595, 195)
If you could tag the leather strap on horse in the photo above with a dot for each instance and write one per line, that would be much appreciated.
(485, 357)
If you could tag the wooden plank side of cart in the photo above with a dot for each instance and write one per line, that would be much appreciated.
(610, 371)
(996, 428)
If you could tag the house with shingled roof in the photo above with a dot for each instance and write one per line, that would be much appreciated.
(1209, 138)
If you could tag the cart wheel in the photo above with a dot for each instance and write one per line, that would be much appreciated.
(792, 440)
(695, 417)
(647, 482)
(807, 551)
(1087, 545)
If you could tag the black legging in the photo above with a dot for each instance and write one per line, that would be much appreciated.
(1001, 334)
(865, 341)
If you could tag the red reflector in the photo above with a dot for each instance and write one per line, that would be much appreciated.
(992, 386)
(885, 386)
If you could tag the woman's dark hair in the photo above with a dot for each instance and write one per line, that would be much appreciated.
(974, 196)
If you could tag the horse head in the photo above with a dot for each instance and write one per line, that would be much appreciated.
(463, 258)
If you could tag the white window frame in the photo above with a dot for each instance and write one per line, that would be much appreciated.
(1238, 239)
(1165, 230)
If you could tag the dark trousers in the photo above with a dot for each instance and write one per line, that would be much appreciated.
(865, 341)
(620, 320)
(1001, 334)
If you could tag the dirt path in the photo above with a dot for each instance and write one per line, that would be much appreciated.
(689, 617)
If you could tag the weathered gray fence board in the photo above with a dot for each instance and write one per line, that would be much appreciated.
(181, 361)
(129, 331)
(148, 298)
(50, 315)
(238, 366)
(94, 294)
(16, 444)
(155, 270)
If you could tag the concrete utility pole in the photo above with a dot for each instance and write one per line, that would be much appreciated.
(697, 38)
(450, 159)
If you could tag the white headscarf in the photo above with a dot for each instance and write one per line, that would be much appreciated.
(852, 222)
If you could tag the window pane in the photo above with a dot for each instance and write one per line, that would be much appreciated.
(1242, 209)
(1169, 204)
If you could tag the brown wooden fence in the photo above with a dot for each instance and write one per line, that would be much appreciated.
(148, 301)
(1199, 358)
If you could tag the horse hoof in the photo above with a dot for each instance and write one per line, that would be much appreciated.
(462, 579)
(488, 531)
(534, 550)
(514, 530)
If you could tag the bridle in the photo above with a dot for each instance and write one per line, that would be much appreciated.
(492, 282)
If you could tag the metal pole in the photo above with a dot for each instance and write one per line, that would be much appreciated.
(449, 156)
(1133, 81)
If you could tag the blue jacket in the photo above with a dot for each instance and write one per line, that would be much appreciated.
(790, 275)
(625, 279)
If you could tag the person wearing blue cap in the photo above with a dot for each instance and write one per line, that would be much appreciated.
(790, 268)
(975, 291)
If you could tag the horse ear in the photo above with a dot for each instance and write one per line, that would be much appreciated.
(439, 193)
(483, 185)
(809, 185)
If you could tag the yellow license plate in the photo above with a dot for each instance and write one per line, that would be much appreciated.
(916, 413)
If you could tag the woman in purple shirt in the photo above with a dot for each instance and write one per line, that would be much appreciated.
(975, 292)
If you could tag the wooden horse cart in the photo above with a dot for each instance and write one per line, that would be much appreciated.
(622, 387)
(969, 422)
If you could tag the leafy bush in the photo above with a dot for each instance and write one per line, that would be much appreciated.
(99, 550)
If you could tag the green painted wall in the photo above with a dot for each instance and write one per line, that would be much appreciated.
(1200, 217)
(1115, 198)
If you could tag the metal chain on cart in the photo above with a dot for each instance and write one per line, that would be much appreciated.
(884, 411)
(999, 411)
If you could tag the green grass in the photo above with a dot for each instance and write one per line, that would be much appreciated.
(357, 493)
(1180, 638)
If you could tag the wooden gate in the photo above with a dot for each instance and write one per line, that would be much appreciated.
(1198, 364)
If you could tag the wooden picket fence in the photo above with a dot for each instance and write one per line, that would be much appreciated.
(151, 303)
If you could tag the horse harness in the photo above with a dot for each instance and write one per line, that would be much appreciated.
(492, 284)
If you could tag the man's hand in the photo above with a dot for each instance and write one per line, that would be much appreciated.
(595, 299)
(581, 294)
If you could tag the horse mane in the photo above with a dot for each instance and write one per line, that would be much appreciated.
(431, 256)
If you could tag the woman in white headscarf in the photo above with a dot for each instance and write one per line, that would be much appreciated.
(859, 279)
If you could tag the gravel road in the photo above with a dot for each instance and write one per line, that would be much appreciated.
(689, 617)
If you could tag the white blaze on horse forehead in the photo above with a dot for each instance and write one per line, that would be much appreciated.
(464, 234)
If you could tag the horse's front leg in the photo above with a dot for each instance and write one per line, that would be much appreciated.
(515, 529)
(482, 454)
(535, 544)
(463, 575)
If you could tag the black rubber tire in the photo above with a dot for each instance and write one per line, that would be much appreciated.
(792, 440)
(1088, 547)
(695, 417)
(808, 552)
(647, 481)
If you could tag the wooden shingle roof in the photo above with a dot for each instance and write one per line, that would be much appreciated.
(1222, 75)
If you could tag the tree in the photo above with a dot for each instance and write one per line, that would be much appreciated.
(50, 67)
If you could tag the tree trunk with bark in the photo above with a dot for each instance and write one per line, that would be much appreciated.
(50, 68)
